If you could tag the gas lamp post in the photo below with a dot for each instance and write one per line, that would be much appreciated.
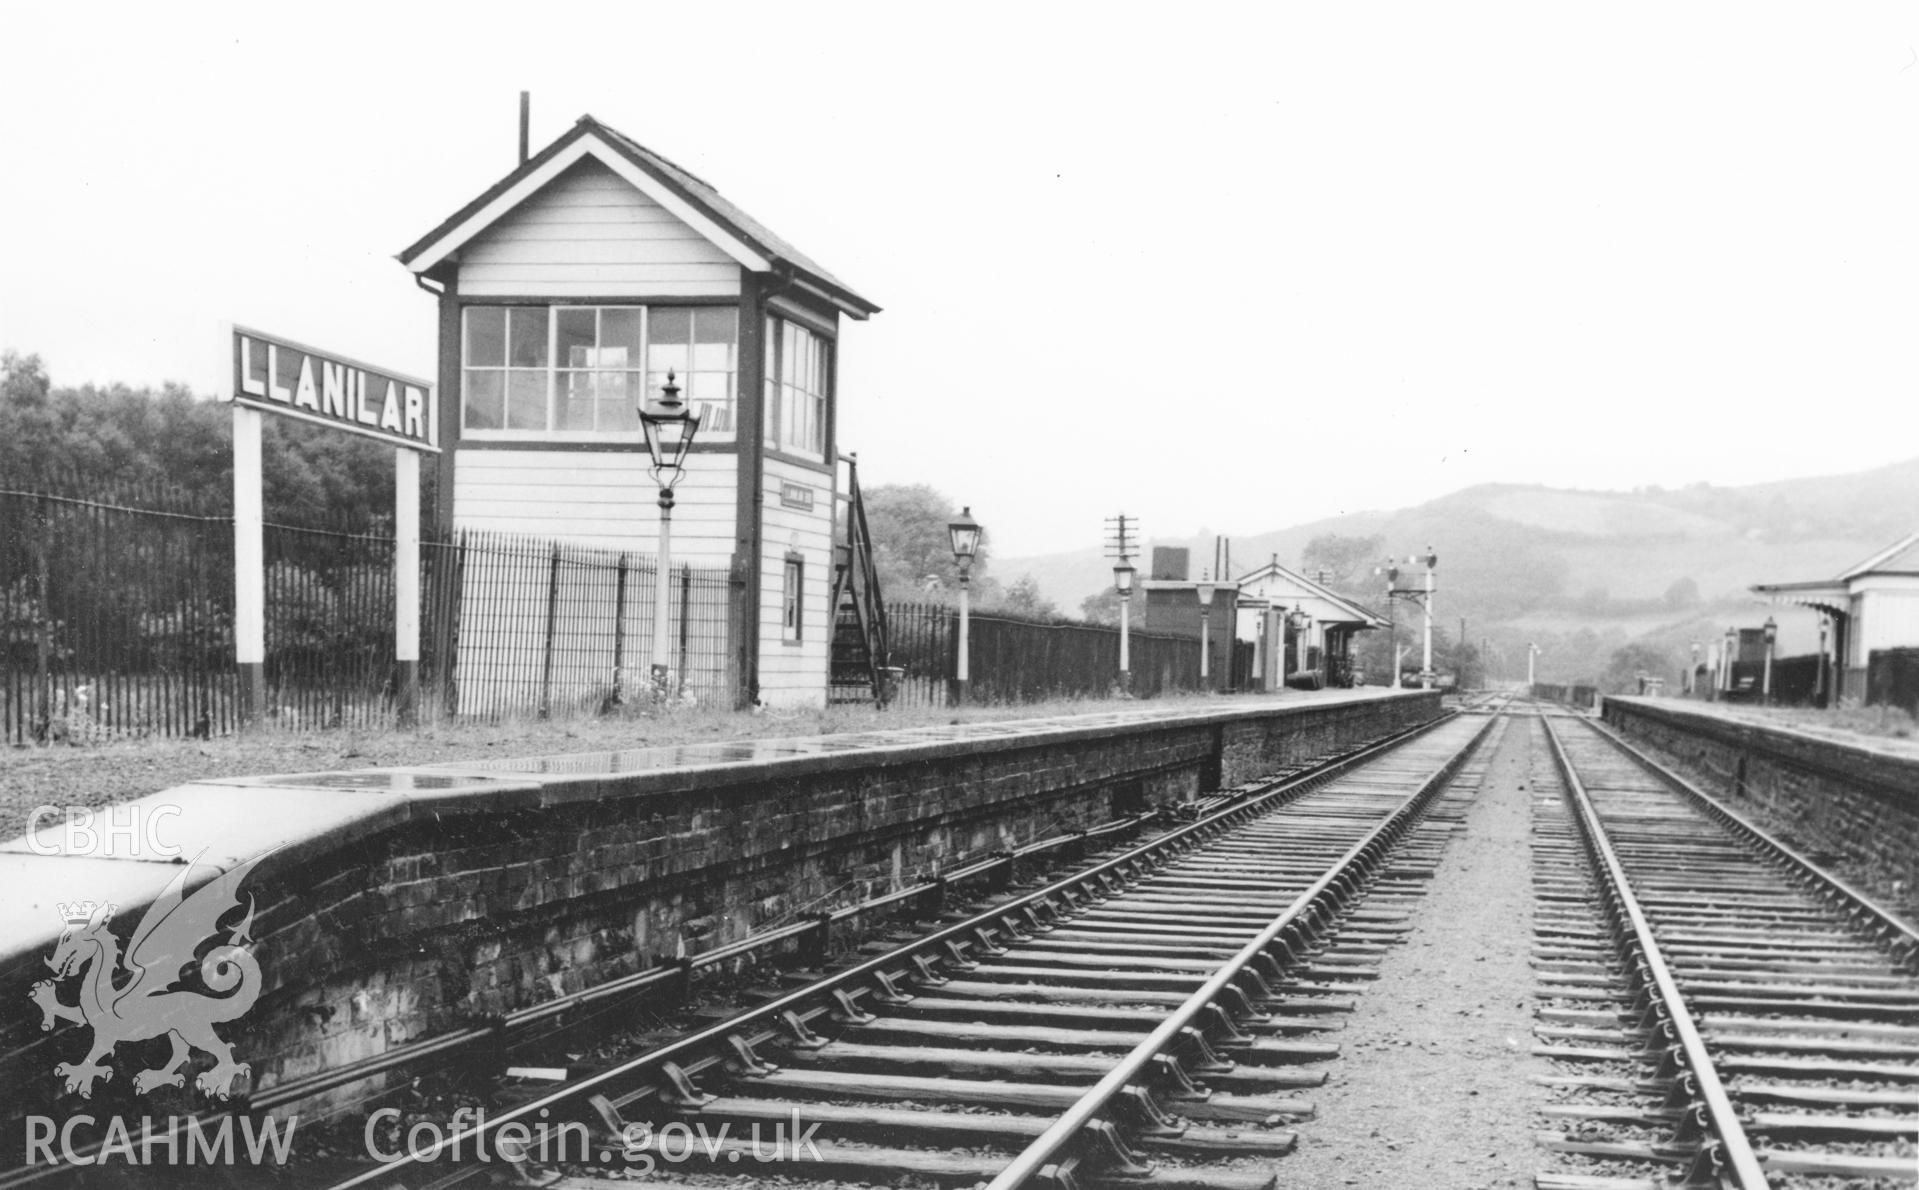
(1765, 683)
(964, 534)
(669, 427)
(1205, 592)
(1825, 696)
(1123, 584)
(1725, 668)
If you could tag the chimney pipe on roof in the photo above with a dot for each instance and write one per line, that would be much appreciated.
(526, 111)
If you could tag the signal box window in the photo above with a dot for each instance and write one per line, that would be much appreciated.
(791, 603)
(578, 372)
(798, 372)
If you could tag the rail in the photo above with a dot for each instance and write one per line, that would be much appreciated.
(1363, 855)
(689, 1056)
(1893, 931)
(1709, 1093)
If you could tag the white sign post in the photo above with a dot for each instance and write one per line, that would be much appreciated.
(275, 375)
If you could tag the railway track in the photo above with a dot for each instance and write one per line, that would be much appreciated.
(1158, 1019)
(1715, 1005)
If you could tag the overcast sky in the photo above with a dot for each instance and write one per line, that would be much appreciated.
(1221, 266)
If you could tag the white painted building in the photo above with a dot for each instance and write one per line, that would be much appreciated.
(1300, 626)
(567, 292)
(1871, 606)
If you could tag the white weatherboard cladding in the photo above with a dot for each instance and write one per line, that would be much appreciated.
(1891, 616)
(603, 499)
(796, 674)
(590, 233)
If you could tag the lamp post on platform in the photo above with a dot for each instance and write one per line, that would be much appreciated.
(669, 427)
(1765, 683)
(1205, 592)
(1725, 668)
(964, 534)
(1823, 697)
(1427, 679)
(1123, 584)
(1532, 652)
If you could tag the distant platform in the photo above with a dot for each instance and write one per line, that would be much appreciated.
(1802, 723)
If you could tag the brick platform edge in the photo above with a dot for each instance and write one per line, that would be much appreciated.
(1848, 803)
(395, 905)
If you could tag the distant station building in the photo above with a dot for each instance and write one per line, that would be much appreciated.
(1301, 628)
(567, 292)
(1176, 605)
(1871, 608)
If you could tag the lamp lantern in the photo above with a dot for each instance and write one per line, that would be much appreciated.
(1772, 631)
(964, 533)
(670, 427)
(1123, 579)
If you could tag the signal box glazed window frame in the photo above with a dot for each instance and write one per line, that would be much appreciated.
(793, 600)
(541, 368)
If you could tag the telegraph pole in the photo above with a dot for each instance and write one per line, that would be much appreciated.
(1122, 532)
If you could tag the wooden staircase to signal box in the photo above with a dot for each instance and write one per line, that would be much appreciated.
(858, 669)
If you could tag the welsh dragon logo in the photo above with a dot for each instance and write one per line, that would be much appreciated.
(139, 996)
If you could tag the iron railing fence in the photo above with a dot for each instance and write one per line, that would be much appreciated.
(330, 647)
(116, 620)
(116, 615)
(1016, 660)
(546, 627)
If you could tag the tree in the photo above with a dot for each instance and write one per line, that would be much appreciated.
(310, 474)
(1101, 608)
(1023, 598)
(1628, 663)
(911, 545)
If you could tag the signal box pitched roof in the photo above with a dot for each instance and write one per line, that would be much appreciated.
(685, 194)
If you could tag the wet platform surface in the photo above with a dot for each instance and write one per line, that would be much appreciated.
(217, 824)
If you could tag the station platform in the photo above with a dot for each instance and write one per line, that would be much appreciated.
(386, 904)
(220, 823)
(1806, 723)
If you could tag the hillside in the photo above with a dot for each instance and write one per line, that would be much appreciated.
(1585, 572)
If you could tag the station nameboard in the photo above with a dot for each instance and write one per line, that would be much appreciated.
(294, 380)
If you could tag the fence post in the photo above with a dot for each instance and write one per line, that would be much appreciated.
(686, 607)
(449, 573)
(552, 609)
(619, 631)
(43, 621)
(949, 629)
(736, 634)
